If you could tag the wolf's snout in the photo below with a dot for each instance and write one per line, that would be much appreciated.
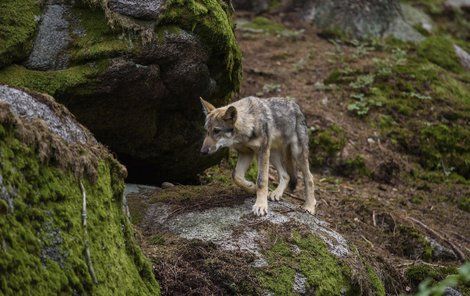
(205, 150)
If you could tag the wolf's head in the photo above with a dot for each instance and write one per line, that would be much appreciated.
(220, 127)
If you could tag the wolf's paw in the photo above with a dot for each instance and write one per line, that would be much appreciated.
(275, 195)
(260, 209)
(309, 208)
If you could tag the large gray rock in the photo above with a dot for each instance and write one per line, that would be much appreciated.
(214, 243)
(51, 40)
(32, 107)
(132, 72)
(144, 9)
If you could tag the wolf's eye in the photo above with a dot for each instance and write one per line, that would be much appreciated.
(217, 130)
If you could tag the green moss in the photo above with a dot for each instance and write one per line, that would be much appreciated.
(412, 244)
(265, 25)
(440, 50)
(422, 108)
(212, 24)
(326, 144)
(353, 167)
(157, 239)
(335, 33)
(430, 6)
(51, 82)
(418, 273)
(464, 204)
(137, 209)
(324, 273)
(17, 26)
(42, 240)
(99, 40)
(274, 4)
(416, 200)
(445, 147)
(377, 284)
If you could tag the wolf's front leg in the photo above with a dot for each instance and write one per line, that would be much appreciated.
(238, 175)
(261, 205)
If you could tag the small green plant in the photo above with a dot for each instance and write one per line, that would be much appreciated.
(417, 95)
(362, 81)
(299, 65)
(398, 56)
(359, 107)
(363, 104)
(463, 277)
(271, 88)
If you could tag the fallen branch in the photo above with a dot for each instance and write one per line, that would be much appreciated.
(374, 220)
(368, 241)
(293, 196)
(91, 270)
(454, 248)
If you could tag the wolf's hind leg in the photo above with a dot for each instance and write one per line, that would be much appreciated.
(291, 168)
(310, 201)
(277, 161)
(238, 175)
(302, 161)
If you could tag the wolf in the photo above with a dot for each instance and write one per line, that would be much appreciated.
(274, 130)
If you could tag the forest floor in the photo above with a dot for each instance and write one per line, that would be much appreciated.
(368, 212)
(408, 222)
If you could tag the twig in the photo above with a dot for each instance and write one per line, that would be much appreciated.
(293, 196)
(91, 270)
(454, 248)
(374, 220)
(368, 241)
(412, 262)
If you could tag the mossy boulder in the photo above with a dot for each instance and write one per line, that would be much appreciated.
(131, 72)
(17, 26)
(54, 177)
(356, 19)
(440, 50)
(215, 245)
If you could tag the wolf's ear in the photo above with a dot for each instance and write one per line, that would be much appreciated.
(208, 107)
(230, 114)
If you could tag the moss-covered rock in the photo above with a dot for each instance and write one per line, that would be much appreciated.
(222, 248)
(54, 177)
(18, 23)
(440, 50)
(132, 73)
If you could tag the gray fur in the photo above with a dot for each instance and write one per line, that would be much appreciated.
(275, 130)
